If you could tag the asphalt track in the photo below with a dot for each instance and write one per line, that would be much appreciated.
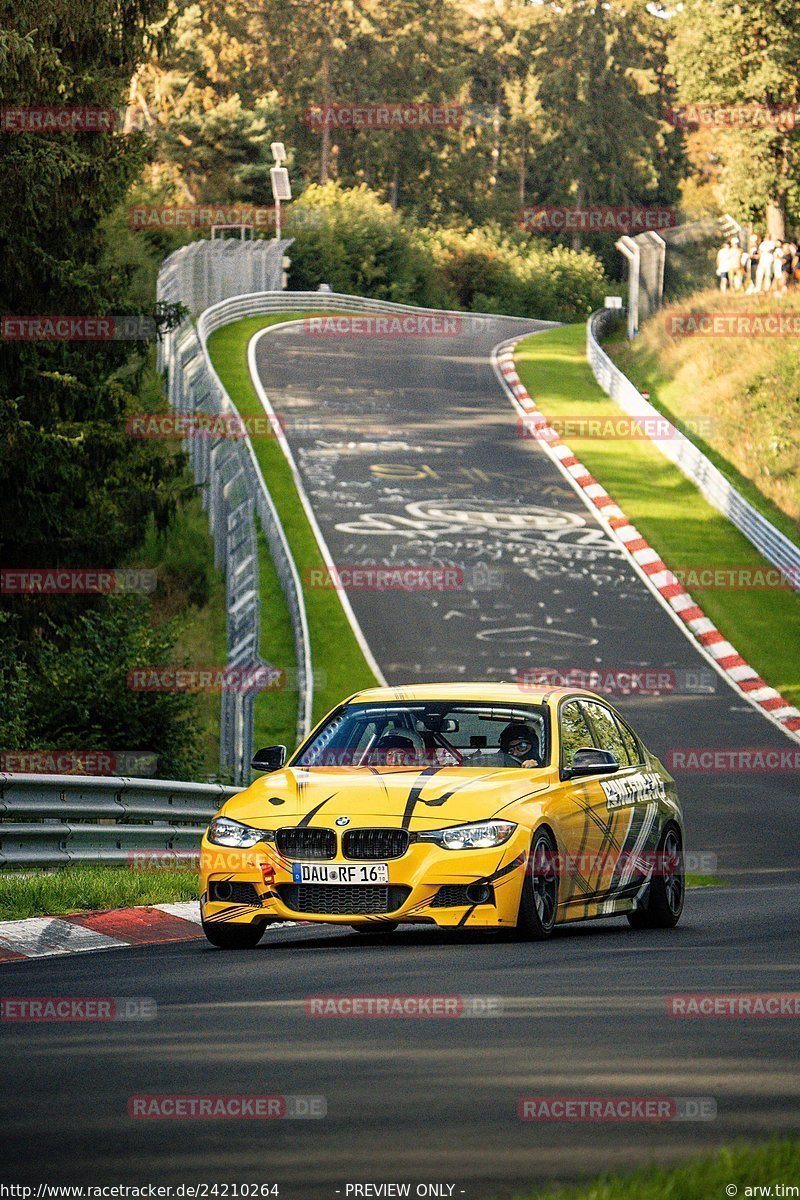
(435, 1100)
(408, 1100)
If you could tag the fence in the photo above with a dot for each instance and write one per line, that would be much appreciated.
(232, 487)
(54, 820)
(203, 272)
(768, 540)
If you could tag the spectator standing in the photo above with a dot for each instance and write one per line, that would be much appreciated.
(794, 266)
(752, 262)
(778, 273)
(735, 270)
(722, 266)
(766, 256)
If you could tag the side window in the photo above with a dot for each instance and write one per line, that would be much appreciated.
(631, 744)
(607, 731)
(575, 733)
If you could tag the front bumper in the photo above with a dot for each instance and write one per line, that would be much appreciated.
(416, 879)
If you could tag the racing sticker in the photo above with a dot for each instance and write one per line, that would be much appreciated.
(640, 788)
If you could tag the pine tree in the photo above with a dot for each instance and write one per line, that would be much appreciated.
(602, 106)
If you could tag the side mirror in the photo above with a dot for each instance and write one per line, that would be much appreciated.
(592, 762)
(271, 758)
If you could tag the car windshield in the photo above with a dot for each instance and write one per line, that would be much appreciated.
(429, 734)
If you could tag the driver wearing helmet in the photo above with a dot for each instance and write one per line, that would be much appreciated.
(394, 750)
(519, 747)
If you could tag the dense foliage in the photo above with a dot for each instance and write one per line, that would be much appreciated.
(77, 490)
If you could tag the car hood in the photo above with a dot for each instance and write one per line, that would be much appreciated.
(413, 799)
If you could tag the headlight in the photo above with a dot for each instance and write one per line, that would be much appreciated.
(224, 832)
(481, 836)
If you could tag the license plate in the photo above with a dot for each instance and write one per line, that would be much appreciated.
(340, 873)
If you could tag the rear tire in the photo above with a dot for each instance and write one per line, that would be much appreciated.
(538, 904)
(664, 904)
(234, 937)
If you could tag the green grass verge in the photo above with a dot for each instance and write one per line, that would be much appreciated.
(667, 509)
(335, 652)
(745, 1168)
(645, 368)
(90, 889)
(95, 888)
(275, 712)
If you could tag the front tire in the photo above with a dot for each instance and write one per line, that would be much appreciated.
(234, 937)
(664, 904)
(538, 904)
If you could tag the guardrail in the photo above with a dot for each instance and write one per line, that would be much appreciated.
(769, 541)
(236, 307)
(54, 820)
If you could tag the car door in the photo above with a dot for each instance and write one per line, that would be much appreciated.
(628, 803)
(587, 823)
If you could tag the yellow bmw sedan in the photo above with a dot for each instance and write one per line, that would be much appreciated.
(458, 805)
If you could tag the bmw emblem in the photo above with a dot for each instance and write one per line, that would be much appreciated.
(342, 820)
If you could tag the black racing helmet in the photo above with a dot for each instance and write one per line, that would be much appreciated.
(517, 730)
(395, 741)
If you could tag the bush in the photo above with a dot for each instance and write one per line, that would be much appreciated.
(493, 271)
(351, 240)
(67, 689)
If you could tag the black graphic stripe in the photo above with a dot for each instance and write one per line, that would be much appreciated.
(236, 910)
(309, 816)
(414, 795)
(519, 861)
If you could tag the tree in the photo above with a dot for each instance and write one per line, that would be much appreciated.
(600, 90)
(78, 489)
(745, 54)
